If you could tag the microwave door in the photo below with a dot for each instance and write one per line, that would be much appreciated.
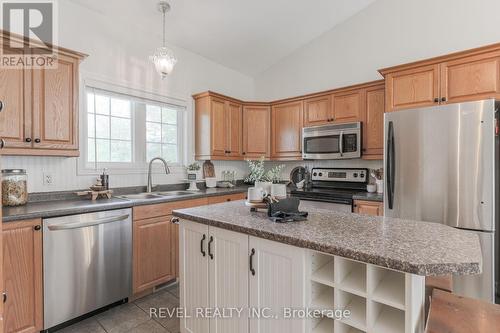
(322, 147)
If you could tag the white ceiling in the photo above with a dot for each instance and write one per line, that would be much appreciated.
(246, 35)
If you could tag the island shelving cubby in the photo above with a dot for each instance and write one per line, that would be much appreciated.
(379, 300)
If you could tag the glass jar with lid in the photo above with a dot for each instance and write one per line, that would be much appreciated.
(14, 187)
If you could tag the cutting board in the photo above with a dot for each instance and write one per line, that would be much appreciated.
(208, 169)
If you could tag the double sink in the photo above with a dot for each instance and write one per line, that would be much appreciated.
(155, 195)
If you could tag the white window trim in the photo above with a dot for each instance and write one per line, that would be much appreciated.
(134, 167)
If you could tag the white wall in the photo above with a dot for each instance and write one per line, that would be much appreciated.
(118, 53)
(387, 33)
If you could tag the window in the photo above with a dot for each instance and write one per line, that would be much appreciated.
(109, 129)
(161, 133)
(125, 131)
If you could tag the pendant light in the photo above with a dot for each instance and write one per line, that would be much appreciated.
(163, 58)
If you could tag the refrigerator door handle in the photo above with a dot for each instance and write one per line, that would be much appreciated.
(391, 165)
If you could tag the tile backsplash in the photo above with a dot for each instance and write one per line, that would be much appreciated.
(65, 175)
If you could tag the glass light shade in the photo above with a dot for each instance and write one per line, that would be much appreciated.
(164, 61)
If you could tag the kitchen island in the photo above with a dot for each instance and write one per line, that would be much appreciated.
(373, 267)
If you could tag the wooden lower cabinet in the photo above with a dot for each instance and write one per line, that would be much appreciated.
(22, 278)
(226, 198)
(153, 263)
(373, 208)
(215, 273)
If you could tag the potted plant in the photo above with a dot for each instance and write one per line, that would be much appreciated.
(192, 171)
(258, 175)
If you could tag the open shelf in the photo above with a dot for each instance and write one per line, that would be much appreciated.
(357, 307)
(322, 268)
(344, 328)
(322, 297)
(387, 319)
(325, 274)
(351, 276)
(324, 326)
(388, 287)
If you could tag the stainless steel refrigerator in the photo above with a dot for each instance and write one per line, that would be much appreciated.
(441, 165)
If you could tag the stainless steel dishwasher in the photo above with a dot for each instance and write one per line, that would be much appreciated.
(87, 263)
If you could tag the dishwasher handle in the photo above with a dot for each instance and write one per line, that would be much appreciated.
(76, 225)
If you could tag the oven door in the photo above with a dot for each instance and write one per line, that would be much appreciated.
(331, 144)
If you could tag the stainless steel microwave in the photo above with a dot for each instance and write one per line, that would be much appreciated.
(331, 142)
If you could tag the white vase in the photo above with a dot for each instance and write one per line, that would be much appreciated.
(380, 186)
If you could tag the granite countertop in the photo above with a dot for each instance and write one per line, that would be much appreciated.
(379, 197)
(415, 247)
(53, 208)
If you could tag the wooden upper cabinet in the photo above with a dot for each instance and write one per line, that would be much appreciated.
(286, 132)
(347, 106)
(22, 270)
(416, 87)
(55, 105)
(219, 126)
(234, 129)
(373, 125)
(317, 111)
(459, 77)
(15, 119)
(40, 113)
(256, 131)
(470, 78)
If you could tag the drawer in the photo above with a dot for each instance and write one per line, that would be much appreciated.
(163, 209)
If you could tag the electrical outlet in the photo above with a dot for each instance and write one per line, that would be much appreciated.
(48, 179)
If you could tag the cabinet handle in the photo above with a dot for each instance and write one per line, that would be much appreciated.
(436, 100)
(37, 227)
(244, 153)
(443, 99)
(4, 296)
(2, 104)
(2, 143)
(251, 262)
(37, 140)
(174, 220)
(201, 245)
(210, 247)
(28, 140)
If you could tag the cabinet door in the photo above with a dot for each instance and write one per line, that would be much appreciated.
(256, 131)
(412, 88)
(278, 283)
(286, 137)
(15, 118)
(152, 253)
(175, 248)
(368, 208)
(55, 105)
(194, 286)
(317, 111)
(373, 126)
(219, 127)
(347, 106)
(228, 276)
(22, 265)
(472, 78)
(234, 140)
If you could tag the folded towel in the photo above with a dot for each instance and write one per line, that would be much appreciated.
(285, 210)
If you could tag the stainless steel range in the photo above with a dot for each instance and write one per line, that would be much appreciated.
(334, 188)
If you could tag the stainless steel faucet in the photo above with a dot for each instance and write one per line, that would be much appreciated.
(167, 171)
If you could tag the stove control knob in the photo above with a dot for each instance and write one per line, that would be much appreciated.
(315, 174)
(355, 175)
(321, 174)
(362, 175)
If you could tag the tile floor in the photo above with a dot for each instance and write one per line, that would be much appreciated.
(133, 317)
